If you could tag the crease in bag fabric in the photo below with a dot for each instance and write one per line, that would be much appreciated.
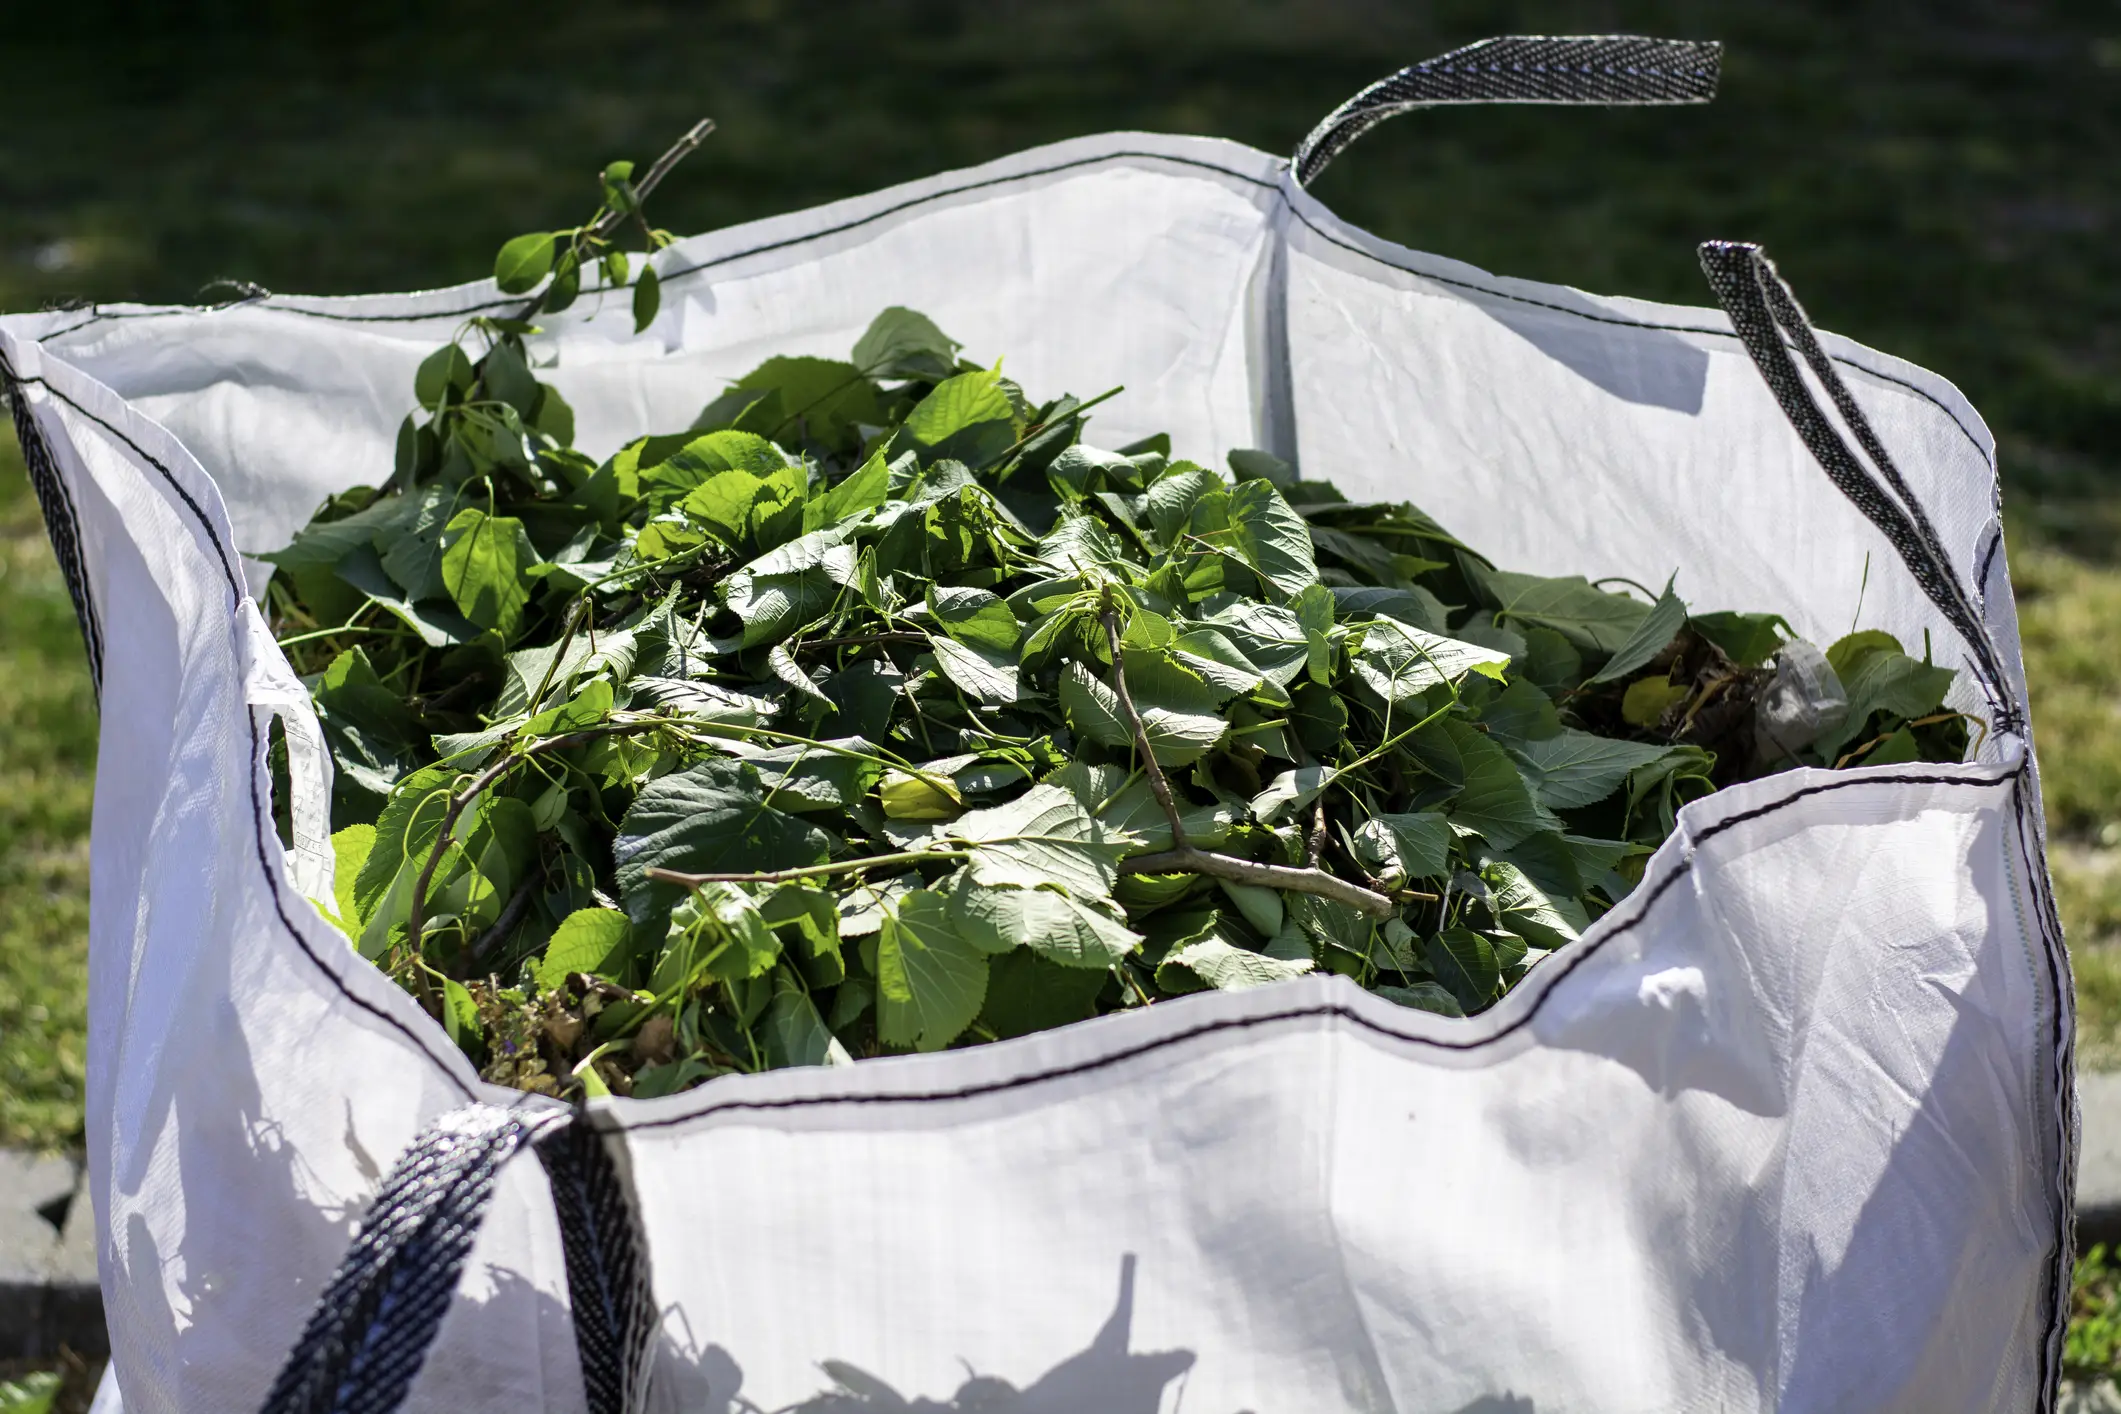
(1791, 1128)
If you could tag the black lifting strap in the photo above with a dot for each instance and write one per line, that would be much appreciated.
(371, 1328)
(1602, 69)
(1770, 323)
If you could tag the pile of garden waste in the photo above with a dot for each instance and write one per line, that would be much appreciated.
(882, 710)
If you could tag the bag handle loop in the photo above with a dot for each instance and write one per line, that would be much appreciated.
(1605, 69)
(371, 1328)
(1769, 322)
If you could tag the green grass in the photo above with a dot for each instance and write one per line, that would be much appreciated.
(47, 757)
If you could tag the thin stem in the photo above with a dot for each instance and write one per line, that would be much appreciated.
(812, 871)
(1157, 783)
(343, 629)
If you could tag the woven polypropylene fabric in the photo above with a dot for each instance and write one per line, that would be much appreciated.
(1619, 69)
(371, 1327)
(1763, 311)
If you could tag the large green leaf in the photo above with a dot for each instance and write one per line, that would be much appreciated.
(983, 673)
(711, 819)
(1026, 993)
(1527, 910)
(1464, 962)
(1177, 737)
(1214, 961)
(1592, 620)
(975, 617)
(591, 940)
(901, 343)
(1650, 637)
(1044, 836)
(1889, 681)
(1574, 768)
(1417, 842)
(483, 563)
(864, 489)
(1053, 924)
(1270, 537)
(1494, 799)
(931, 978)
(968, 417)
(1399, 663)
(822, 398)
(793, 1033)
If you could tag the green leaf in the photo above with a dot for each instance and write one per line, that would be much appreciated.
(982, 673)
(1172, 499)
(900, 343)
(375, 738)
(1214, 961)
(1574, 768)
(1270, 537)
(1889, 681)
(864, 490)
(1494, 799)
(820, 398)
(1399, 663)
(1464, 962)
(1748, 640)
(349, 852)
(974, 617)
(710, 819)
(930, 978)
(1056, 926)
(1418, 843)
(1424, 996)
(1525, 909)
(522, 262)
(647, 298)
(1521, 712)
(1042, 837)
(1592, 620)
(716, 931)
(32, 1394)
(483, 562)
(964, 417)
(1847, 652)
(1290, 792)
(591, 940)
(1648, 699)
(1177, 737)
(411, 549)
(1657, 629)
(1250, 464)
(460, 1014)
(792, 1031)
(1026, 993)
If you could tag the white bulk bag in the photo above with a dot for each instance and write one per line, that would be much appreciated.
(1790, 1128)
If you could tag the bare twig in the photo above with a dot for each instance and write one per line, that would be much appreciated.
(1316, 845)
(811, 871)
(511, 914)
(658, 170)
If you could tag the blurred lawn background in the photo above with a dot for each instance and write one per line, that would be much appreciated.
(1936, 179)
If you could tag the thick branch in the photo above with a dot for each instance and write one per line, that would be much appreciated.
(1189, 860)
